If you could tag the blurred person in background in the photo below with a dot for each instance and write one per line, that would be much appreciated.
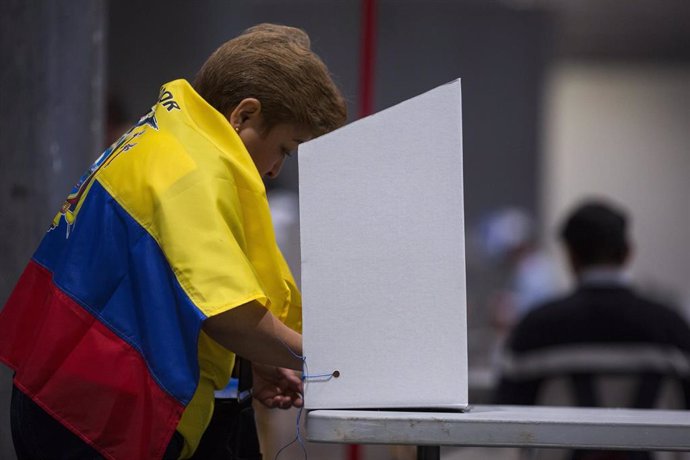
(508, 237)
(603, 326)
(162, 264)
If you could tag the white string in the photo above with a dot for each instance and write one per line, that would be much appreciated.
(298, 435)
(305, 377)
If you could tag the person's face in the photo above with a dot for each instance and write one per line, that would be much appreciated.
(268, 149)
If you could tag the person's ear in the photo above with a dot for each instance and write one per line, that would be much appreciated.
(246, 113)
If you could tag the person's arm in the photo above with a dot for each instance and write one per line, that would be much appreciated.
(254, 333)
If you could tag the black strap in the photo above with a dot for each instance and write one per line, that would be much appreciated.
(231, 434)
(244, 376)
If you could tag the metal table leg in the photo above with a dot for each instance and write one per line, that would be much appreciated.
(428, 452)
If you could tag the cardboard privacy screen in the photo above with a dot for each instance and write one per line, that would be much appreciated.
(383, 259)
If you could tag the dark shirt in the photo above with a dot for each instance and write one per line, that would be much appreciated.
(608, 325)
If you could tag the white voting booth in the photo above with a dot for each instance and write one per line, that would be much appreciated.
(383, 283)
(383, 259)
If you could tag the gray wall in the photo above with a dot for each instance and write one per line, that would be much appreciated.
(51, 118)
(500, 54)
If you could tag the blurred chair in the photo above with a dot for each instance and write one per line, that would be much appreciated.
(642, 376)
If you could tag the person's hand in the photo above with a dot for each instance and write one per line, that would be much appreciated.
(276, 387)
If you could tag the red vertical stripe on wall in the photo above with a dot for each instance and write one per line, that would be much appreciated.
(366, 101)
(354, 452)
(367, 58)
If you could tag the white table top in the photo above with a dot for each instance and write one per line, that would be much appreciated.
(502, 426)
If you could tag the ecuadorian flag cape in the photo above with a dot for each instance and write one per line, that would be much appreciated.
(170, 226)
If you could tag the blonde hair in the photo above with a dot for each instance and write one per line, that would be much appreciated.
(274, 64)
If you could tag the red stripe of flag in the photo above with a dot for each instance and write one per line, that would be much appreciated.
(82, 373)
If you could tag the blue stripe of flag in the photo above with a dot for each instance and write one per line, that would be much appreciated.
(114, 268)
